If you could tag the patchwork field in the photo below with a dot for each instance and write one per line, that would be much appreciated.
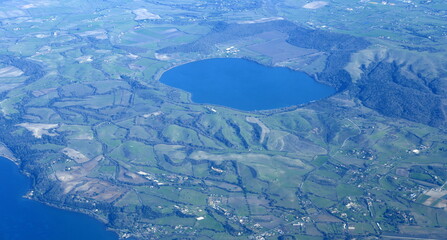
(83, 112)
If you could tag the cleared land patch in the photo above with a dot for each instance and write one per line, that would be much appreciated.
(10, 72)
(75, 155)
(315, 5)
(39, 129)
(143, 14)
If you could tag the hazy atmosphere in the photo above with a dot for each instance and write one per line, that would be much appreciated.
(223, 119)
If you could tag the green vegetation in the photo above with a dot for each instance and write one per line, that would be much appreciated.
(82, 108)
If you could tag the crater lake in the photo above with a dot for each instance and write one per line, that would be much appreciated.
(244, 84)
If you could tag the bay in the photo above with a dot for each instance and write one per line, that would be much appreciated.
(24, 219)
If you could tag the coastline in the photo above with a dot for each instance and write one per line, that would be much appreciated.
(7, 154)
(77, 210)
(81, 211)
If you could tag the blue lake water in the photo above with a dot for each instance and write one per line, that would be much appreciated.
(23, 219)
(244, 84)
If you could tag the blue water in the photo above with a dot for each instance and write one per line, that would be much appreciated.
(23, 219)
(244, 84)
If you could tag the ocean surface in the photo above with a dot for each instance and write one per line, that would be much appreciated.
(244, 84)
(23, 219)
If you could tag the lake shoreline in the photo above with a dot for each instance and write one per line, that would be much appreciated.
(244, 84)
